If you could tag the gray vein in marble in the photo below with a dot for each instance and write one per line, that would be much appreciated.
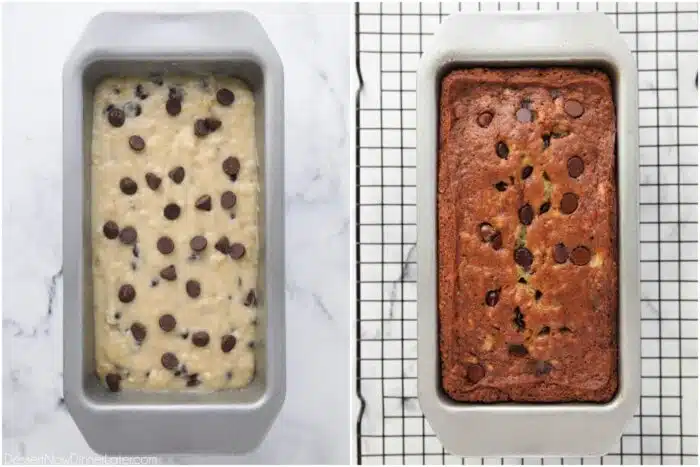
(408, 272)
(52, 290)
(293, 289)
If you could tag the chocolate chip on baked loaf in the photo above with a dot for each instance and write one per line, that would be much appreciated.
(484, 119)
(527, 171)
(225, 97)
(560, 253)
(110, 229)
(580, 256)
(492, 297)
(544, 207)
(501, 186)
(113, 381)
(575, 166)
(573, 108)
(128, 235)
(502, 150)
(497, 241)
(517, 350)
(523, 257)
(475, 373)
(487, 232)
(153, 181)
(543, 367)
(526, 214)
(137, 143)
(569, 203)
(126, 293)
(167, 322)
(524, 115)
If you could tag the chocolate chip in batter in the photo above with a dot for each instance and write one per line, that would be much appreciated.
(169, 361)
(561, 253)
(198, 243)
(173, 107)
(573, 108)
(156, 78)
(524, 115)
(203, 203)
(484, 119)
(193, 288)
(108, 108)
(154, 282)
(116, 117)
(136, 143)
(128, 235)
(544, 207)
(228, 199)
(486, 232)
(575, 166)
(502, 150)
(475, 373)
(169, 273)
(580, 256)
(135, 251)
(231, 166)
(569, 203)
(225, 97)
(492, 297)
(128, 186)
(132, 109)
(171, 211)
(110, 230)
(138, 331)
(527, 171)
(126, 293)
(237, 251)
(140, 92)
(200, 338)
(113, 381)
(212, 123)
(167, 322)
(153, 181)
(517, 350)
(177, 174)
(185, 335)
(523, 257)
(165, 245)
(251, 299)
(229, 375)
(222, 245)
(228, 342)
(501, 186)
(193, 380)
(543, 367)
(526, 214)
(201, 129)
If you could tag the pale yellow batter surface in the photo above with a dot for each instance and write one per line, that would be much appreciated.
(125, 357)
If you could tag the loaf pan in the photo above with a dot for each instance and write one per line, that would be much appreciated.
(528, 40)
(139, 422)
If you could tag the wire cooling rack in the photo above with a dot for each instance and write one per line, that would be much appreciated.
(389, 38)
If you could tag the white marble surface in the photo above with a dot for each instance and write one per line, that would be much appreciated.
(314, 425)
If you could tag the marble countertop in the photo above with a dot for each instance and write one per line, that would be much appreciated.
(314, 426)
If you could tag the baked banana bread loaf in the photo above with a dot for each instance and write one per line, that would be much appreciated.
(527, 235)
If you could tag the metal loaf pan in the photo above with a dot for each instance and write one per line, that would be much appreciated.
(135, 422)
(528, 39)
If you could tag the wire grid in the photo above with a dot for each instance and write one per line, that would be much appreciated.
(390, 37)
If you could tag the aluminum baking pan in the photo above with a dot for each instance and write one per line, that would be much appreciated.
(135, 422)
(528, 39)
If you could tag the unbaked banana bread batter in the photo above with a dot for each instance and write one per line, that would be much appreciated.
(174, 232)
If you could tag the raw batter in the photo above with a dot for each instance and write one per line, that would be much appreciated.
(175, 243)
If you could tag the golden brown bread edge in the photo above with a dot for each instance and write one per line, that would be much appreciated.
(554, 337)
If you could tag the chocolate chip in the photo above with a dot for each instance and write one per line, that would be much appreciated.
(526, 214)
(522, 280)
(176, 93)
(117, 315)
(229, 375)
(561, 253)
(492, 297)
(193, 288)
(154, 282)
(237, 251)
(171, 211)
(251, 345)
(517, 350)
(110, 230)
(575, 166)
(156, 78)
(569, 203)
(177, 174)
(225, 97)
(173, 107)
(501, 186)
(527, 171)
(136, 143)
(228, 342)
(169, 361)
(222, 245)
(185, 335)
(153, 181)
(138, 331)
(497, 241)
(193, 381)
(502, 150)
(484, 119)
(564, 330)
(487, 232)
(251, 299)
(231, 166)
(518, 319)
(132, 109)
(228, 199)
(573, 108)
(538, 294)
(203, 203)
(109, 108)
(544, 331)
(200, 338)
(523, 257)
(201, 128)
(198, 243)
(135, 251)
(140, 92)
(128, 235)
(116, 117)
(167, 322)
(126, 293)
(580, 256)
(165, 245)
(475, 373)
(543, 367)
(113, 381)
(545, 207)
(169, 273)
(523, 115)
(212, 123)
(128, 186)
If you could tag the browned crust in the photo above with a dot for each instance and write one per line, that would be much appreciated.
(580, 298)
